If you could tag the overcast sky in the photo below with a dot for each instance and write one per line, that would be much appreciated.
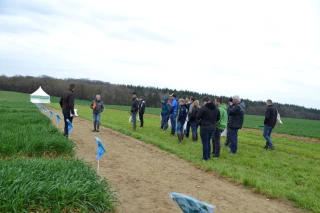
(256, 49)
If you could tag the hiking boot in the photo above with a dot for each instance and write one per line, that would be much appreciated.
(134, 127)
(182, 136)
(266, 147)
(193, 138)
(271, 148)
(94, 127)
(196, 137)
(98, 125)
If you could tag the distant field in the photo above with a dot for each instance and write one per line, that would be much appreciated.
(298, 127)
(290, 172)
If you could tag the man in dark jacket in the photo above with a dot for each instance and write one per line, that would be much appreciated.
(97, 106)
(67, 105)
(189, 101)
(235, 122)
(165, 114)
(142, 107)
(208, 115)
(269, 123)
(134, 110)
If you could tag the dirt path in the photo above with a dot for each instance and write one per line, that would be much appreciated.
(143, 175)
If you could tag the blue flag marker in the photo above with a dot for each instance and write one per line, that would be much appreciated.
(51, 114)
(58, 118)
(100, 149)
(190, 204)
(69, 126)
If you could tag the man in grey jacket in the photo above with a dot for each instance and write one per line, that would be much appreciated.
(97, 106)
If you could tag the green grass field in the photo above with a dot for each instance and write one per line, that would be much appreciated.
(289, 172)
(38, 172)
(297, 127)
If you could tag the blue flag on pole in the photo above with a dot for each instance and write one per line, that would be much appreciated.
(100, 148)
(51, 114)
(58, 118)
(190, 204)
(69, 126)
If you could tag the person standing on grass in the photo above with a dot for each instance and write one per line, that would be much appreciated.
(67, 105)
(165, 114)
(269, 123)
(142, 107)
(181, 119)
(208, 116)
(97, 106)
(173, 113)
(194, 123)
(189, 101)
(235, 122)
(221, 125)
(134, 110)
(227, 143)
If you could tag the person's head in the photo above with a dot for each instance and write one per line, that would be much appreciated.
(206, 100)
(141, 98)
(98, 98)
(172, 96)
(134, 95)
(72, 87)
(269, 102)
(187, 99)
(218, 101)
(192, 99)
(236, 99)
(196, 103)
(181, 101)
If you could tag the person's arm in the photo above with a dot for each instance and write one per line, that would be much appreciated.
(200, 114)
(91, 105)
(218, 115)
(102, 107)
(173, 106)
(61, 101)
(71, 103)
(267, 115)
(143, 106)
(135, 106)
(234, 110)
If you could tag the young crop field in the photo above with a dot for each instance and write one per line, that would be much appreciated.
(38, 172)
(289, 172)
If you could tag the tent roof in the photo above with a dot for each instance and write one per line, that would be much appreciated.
(40, 92)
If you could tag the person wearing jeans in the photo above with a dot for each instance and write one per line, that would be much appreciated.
(181, 119)
(208, 117)
(193, 120)
(235, 122)
(97, 107)
(165, 114)
(221, 125)
(134, 110)
(269, 123)
(173, 113)
(67, 105)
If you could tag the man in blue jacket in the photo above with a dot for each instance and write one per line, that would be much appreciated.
(235, 121)
(173, 113)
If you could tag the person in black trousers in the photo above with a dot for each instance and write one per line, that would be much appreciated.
(142, 107)
(67, 105)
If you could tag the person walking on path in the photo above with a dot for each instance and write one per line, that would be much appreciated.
(97, 107)
(269, 123)
(165, 114)
(221, 125)
(173, 113)
(208, 116)
(194, 123)
(142, 107)
(67, 105)
(235, 122)
(181, 119)
(134, 110)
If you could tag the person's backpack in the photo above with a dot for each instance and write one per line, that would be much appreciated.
(278, 118)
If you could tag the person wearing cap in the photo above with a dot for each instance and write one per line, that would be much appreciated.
(134, 110)
(97, 106)
(142, 107)
(173, 113)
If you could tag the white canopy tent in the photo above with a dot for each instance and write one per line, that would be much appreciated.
(40, 96)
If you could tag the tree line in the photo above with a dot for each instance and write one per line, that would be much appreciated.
(116, 94)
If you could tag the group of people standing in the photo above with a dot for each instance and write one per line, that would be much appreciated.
(213, 118)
